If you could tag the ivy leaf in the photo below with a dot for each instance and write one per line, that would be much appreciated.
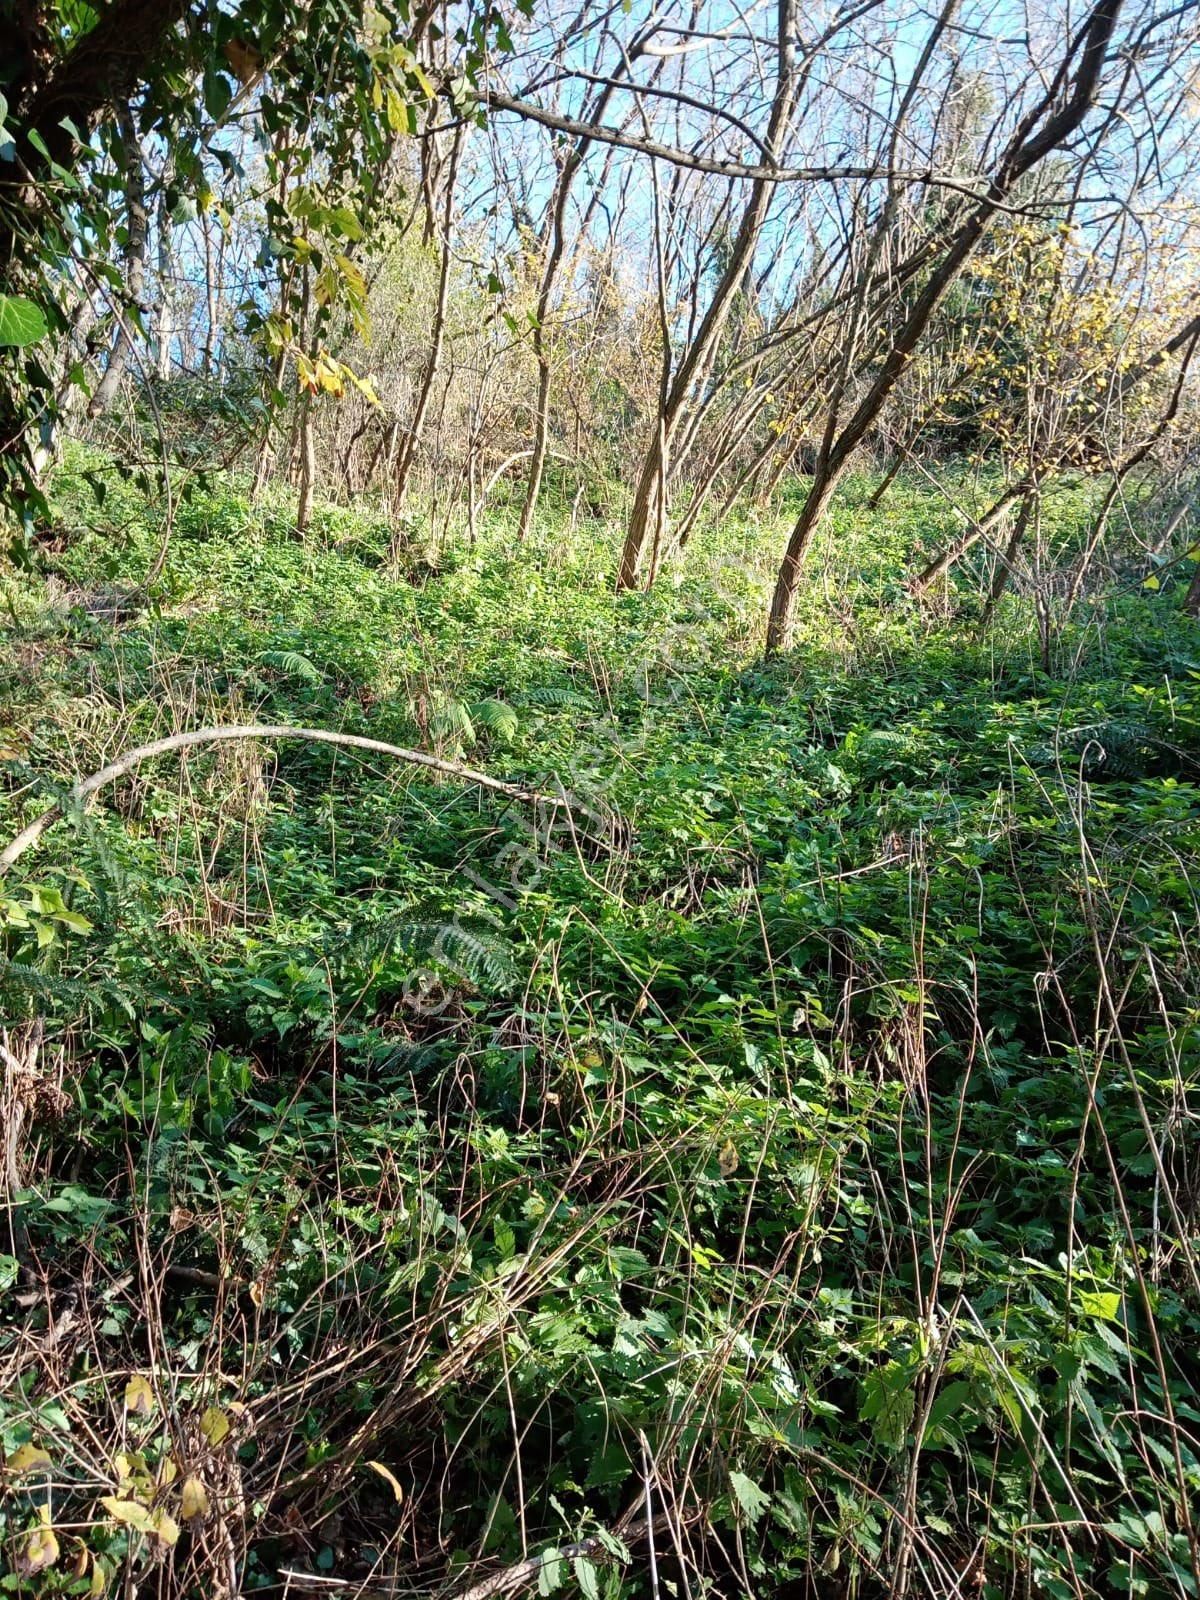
(21, 321)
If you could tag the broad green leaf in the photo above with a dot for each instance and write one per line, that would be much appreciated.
(588, 1577)
(21, 321)
(949, 1401)
(1103, 1304)
(550, 1573)
(752, 1500)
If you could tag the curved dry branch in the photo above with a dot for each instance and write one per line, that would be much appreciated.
(87, 787)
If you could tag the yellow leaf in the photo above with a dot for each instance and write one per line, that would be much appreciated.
(127, 1512)
(329, 374)
(131, 1467)
(139, 1396)
(728, 1159)
(37, 1551)
(164, 1528)
(365, 386)
(214, 1425)
(307, 373)
(397, 112)
(28, 1459)
(194, 1499)
(388, 1476)
(355, 282)
(99, 1583)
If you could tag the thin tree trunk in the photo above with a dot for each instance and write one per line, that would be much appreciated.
(1007, 561)
(433, 362)
(650, 500)
(558, 213)
(308, 463)
(210, 294)
(164, 330)
(1025, 150)
(779, 623)
(265, 457)
(135, 261)
(942, 562)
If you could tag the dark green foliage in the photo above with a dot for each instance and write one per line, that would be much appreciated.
(817, 1119)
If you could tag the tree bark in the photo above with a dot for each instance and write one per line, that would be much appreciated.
(308, 463)
(433, 361)
(945, 559)
(137, 230)
(541, 416)
(650, 498)
(1007, 561)
(98, 75)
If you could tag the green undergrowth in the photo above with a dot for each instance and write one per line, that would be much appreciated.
(794, 1131)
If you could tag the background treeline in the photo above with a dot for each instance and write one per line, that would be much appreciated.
(927, 252)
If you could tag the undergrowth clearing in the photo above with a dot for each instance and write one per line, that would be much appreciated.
(773, 1172)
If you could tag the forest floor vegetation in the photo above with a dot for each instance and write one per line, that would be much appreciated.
(772, 1172)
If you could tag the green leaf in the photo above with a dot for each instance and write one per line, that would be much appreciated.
(752, 1501)
(21, 321)
(588, 1577)
(550, 1573)
(1104, 1305)
(949, 1401)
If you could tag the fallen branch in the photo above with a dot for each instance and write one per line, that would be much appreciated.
(182, 741)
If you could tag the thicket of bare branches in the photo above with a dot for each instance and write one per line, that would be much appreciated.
(674, 258)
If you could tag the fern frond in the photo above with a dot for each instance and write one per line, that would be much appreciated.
(469, 955)
(496, 717)
(558, 697)
(292, 663)
(26, 990)
(1117, 747)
